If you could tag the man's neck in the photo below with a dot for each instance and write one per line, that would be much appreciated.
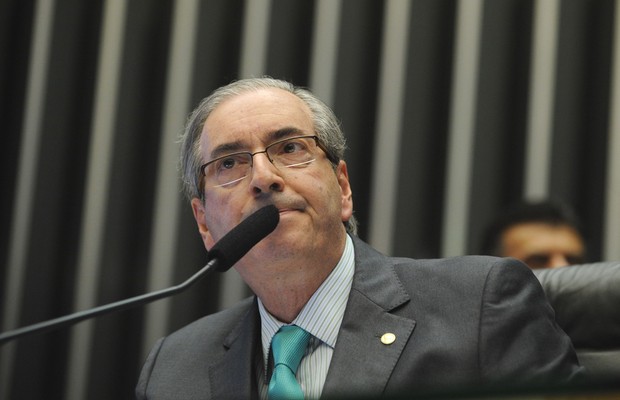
(285, 293)
(285, 301)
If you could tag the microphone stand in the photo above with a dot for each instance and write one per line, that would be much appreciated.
(226, 252)
(65, 320)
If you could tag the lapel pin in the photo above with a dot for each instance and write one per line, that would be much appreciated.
(388, 338)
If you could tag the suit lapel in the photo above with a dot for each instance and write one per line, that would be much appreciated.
(362, 362)
(233, 377)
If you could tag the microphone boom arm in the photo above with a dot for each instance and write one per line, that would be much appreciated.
(76, 317)
(226, 252)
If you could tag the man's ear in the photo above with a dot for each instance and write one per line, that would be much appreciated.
(346, 193)
(200, 216)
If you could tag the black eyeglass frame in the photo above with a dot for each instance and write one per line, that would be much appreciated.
(265, 150)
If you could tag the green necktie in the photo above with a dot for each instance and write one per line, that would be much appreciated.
(288, 347)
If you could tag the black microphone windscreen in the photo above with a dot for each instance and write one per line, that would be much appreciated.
(230, 248)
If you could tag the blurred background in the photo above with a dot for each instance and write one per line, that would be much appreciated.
(453, 109)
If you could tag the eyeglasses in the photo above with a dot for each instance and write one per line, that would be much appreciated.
(294, 152)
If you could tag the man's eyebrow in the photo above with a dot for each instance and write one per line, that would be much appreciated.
(226, 148)
(285, 132)
(238, 145)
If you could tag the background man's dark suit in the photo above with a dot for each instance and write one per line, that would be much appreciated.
(457, 321)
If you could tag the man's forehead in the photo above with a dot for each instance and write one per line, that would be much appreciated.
(540, 235)
(256, 116)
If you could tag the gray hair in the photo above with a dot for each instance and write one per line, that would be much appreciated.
(326, 126)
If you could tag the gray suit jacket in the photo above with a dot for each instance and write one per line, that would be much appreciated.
(459, 321)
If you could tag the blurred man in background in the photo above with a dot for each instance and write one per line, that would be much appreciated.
(542, 234)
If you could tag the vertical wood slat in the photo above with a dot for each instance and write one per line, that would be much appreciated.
(96, 190)
(462, 125)
(40, 47)
(611, 225)
(255, 38)
(542, 86)
(167, 200)
(390, 106)
(325, 49)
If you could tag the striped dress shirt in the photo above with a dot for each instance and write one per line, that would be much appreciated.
(321, 317)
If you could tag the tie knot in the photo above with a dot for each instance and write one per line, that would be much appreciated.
(289, 346)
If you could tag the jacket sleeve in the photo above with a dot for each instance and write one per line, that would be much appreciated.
(519, 337)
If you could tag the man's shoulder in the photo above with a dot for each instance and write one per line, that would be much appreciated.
(179, 363)
(468, 275)
(460, 265)
(477, 264)
(216, 325)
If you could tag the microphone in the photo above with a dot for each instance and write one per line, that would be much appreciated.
(243, 237)
(223, 255)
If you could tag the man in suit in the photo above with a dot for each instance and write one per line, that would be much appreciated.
(378, 326)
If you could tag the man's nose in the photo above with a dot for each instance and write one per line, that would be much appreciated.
(558, 260)
(264, 176)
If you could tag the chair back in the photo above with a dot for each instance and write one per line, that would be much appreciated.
(586, 300)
